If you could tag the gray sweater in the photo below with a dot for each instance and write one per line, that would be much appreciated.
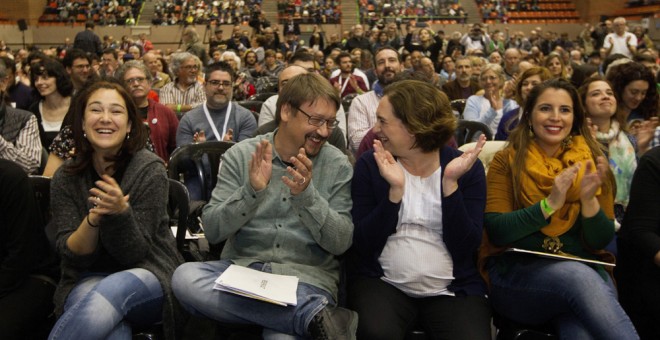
(137, 238)
(241, 121)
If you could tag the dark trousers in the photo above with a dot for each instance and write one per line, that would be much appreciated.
(25, 301)
(24, 313)
(388, 313)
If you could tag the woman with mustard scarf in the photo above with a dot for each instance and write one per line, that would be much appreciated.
(550, 191)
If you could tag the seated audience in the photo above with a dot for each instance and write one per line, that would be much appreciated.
(185, 92)
(218, 118)
(19, 132)
(526, 82)
(109, 205)
(612, 132)
(635, 91)
(267, 117)
(489, 107)
(550, 191)
(50, 81)
(291, 192)
(392, 284)
(161, 121)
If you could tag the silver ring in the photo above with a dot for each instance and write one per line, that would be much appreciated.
(303, 181)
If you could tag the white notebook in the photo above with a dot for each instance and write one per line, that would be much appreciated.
(273, 288)
(560, 257)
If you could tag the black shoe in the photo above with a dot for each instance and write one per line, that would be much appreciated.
(334, 323)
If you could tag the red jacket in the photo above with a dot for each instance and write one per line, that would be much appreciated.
(162, 123)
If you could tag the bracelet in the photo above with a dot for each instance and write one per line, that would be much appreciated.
(546, 207)
(178, 108)
(90, 223)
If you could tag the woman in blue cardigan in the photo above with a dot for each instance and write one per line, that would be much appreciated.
(418, 212)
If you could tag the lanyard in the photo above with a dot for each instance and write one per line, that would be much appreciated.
(218, 136)
(343, 87)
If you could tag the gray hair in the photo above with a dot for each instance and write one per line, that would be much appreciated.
(179, 58)
(133, 64)
(496, 68)
(192, 33)
(232, 54)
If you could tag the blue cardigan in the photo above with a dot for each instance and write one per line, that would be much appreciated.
(375, 219)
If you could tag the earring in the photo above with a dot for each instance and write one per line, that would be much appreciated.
(531, 132)
(128, 136)
(85, 134)
(567, 142)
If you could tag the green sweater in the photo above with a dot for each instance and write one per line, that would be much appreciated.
(521, 229)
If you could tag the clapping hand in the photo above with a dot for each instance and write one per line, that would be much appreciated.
(493, 96)
(593, 178)
(199, 137)
(353, 82)
(261, 165)
(645, 133)
(229, 136)
(593, 128)
(390, 170)
(560, 186)
(459, 166)
(107, 198)
(301, 173)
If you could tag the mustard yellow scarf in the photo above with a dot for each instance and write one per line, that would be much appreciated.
(539, 175)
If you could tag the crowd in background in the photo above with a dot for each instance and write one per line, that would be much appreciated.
(491, 77)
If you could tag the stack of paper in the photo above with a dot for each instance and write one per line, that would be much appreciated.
(273, 288)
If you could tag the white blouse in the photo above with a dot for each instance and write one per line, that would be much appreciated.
(415, 258)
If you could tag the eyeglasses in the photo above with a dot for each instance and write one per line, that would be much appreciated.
(190, 67)
(138, 80)
(217, 83)
(318, 122)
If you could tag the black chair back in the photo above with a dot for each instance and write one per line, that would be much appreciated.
(347, 100)
(458, 105)
(41, 187)
(262, 96)
(179, 209)
(208, 152)
(468, 131)
(252, 105)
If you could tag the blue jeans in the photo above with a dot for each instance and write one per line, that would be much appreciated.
(104, 306)
(193, 282)
(569, 294)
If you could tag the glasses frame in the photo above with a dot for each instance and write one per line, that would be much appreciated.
(318, 122)
(138, 80)
(226, 84)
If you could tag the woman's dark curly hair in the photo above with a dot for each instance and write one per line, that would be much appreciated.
(49, 67)
(84, 149)
(622, 75)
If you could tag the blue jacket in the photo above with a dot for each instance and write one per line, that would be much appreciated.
(375, 219)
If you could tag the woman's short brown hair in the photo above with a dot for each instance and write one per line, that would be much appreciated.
(424, 110)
